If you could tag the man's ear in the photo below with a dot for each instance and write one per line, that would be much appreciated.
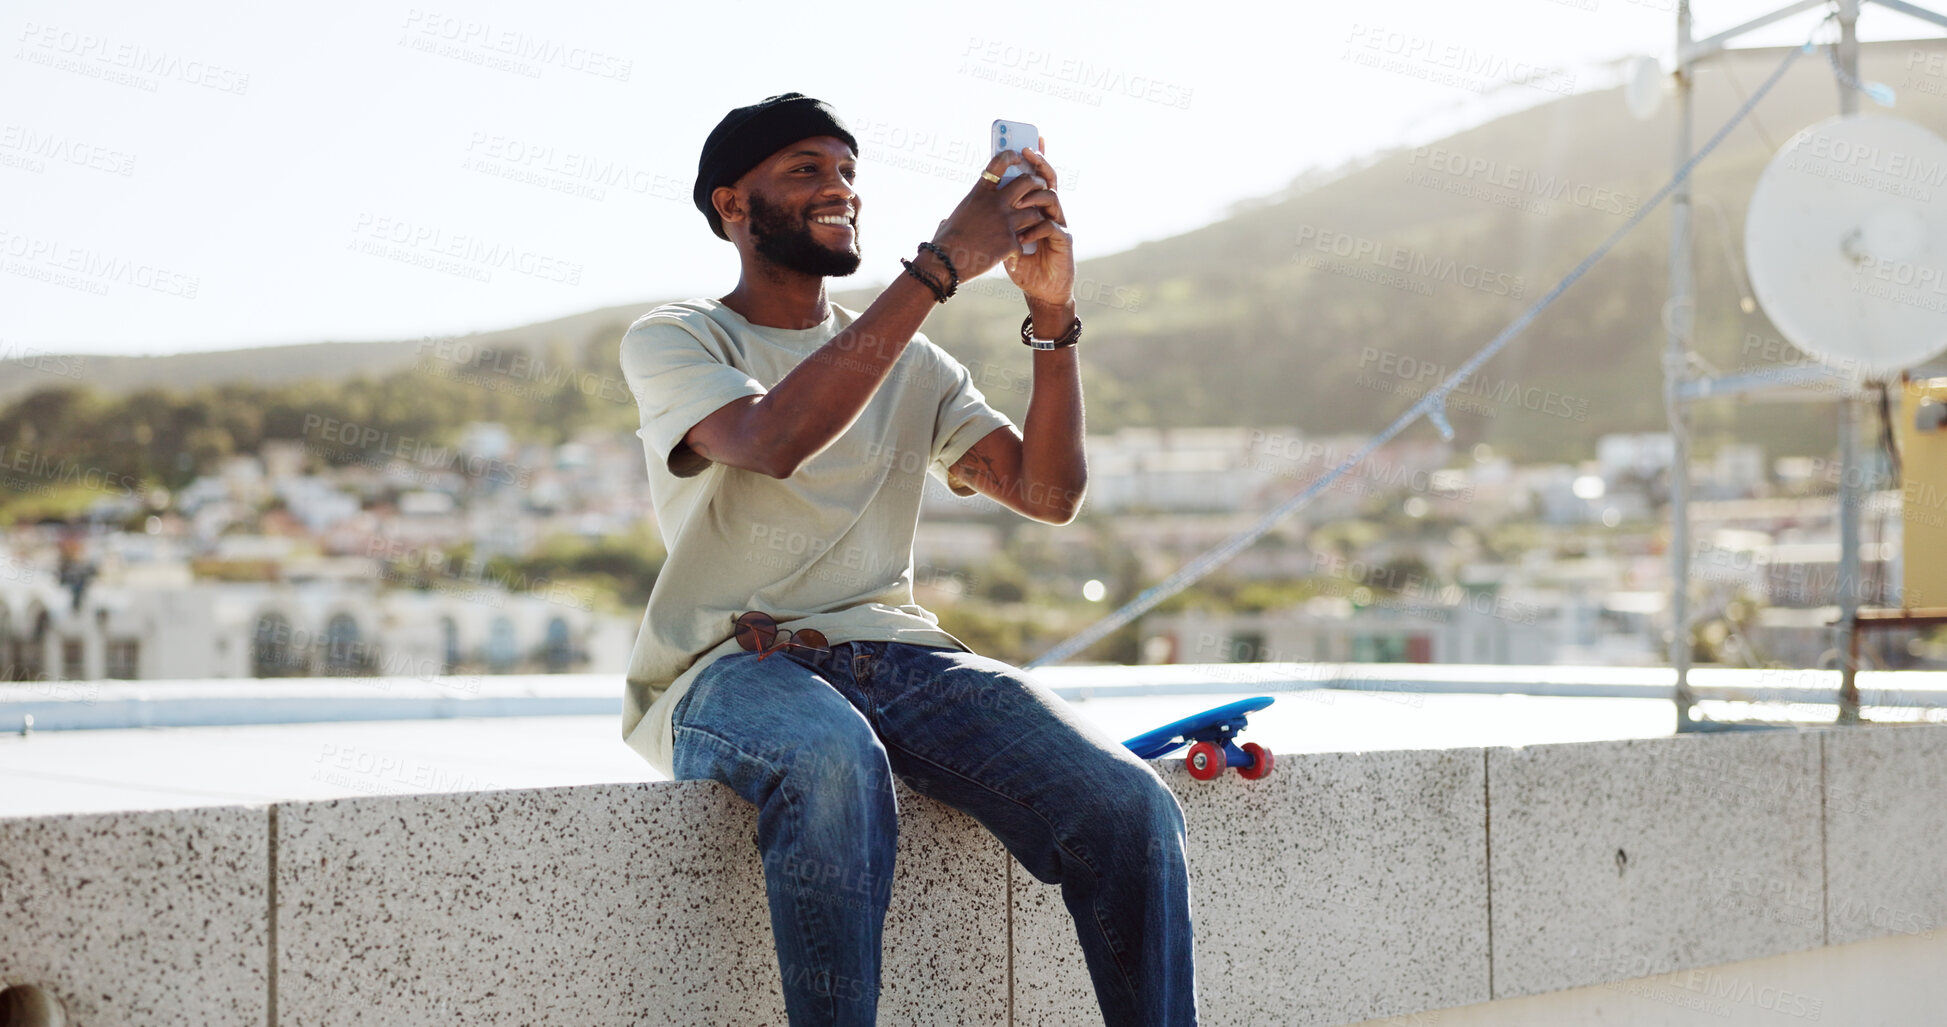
(730, 206)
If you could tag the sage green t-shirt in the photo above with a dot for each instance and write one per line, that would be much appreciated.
(830, 547)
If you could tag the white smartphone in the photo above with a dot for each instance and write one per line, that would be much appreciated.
(1014, 135)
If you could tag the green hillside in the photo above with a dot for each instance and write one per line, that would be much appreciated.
(1232, 330)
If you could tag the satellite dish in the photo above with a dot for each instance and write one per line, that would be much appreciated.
(1643, 86)
(1846, 244)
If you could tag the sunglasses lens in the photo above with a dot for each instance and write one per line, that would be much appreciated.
(758, 632)
(755, 631)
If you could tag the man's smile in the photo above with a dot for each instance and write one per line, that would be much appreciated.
(846, 220)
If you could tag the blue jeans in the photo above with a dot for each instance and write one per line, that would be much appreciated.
(813, 739)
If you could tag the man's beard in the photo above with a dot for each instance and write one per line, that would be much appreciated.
(787, 242)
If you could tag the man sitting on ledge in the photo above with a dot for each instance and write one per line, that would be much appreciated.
(782, 652)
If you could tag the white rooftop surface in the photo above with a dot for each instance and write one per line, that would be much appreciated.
(1424, 707)
(49, 772)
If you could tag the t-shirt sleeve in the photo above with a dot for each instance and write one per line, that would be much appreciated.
(677, 379)
(964, 419)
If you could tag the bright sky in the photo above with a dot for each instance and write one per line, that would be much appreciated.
(216, 175)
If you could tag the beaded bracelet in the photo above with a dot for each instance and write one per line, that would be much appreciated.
(939, 294)
(952, 273)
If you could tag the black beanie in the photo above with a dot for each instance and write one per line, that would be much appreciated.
(747, 135)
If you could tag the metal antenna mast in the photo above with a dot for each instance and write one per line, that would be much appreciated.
(1681, 388)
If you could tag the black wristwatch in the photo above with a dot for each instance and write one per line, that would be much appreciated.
(1068, 338)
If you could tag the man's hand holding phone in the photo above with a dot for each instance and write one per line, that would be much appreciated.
(1045, 268)
(996, 218)
(981, 231)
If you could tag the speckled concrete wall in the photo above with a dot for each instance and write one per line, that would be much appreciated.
(1885, 832)
(1615, 860)
(1346, 886)
(140, 919)
(599, 905)
(1343, 886)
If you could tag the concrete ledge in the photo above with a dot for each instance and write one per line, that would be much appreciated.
(1885, 832)
(601, 903)
(139, 919)
(1343, 886)
(1347, 886)
(1607, 858)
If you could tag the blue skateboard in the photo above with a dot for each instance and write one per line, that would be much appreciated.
(1209, 735)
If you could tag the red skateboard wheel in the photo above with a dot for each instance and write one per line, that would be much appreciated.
(1205, 761)
(1263, 763)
